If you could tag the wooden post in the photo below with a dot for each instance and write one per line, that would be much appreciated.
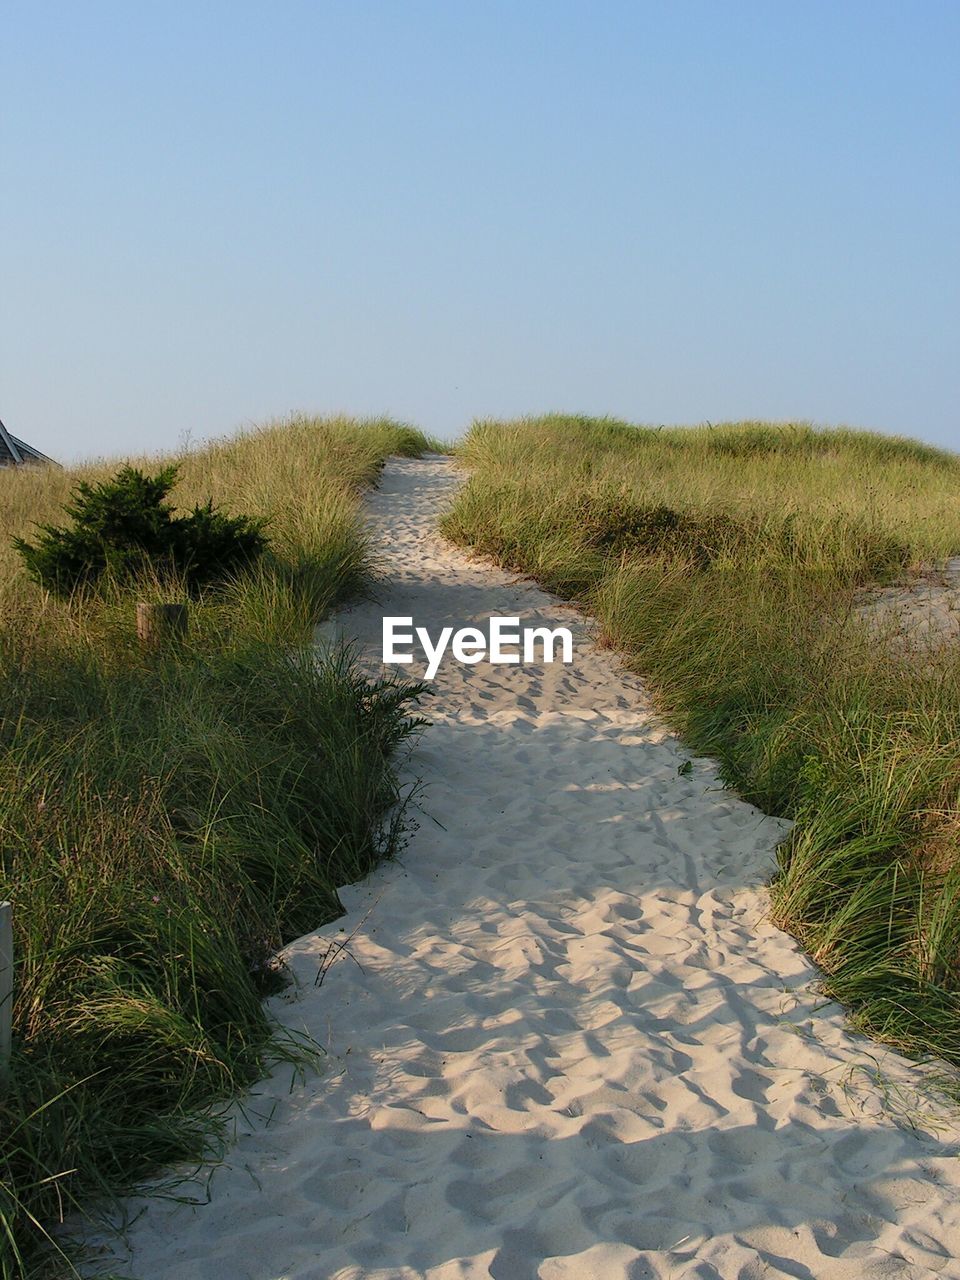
(161, 623)
(6, 984)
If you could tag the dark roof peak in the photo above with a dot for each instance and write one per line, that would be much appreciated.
(14, 452)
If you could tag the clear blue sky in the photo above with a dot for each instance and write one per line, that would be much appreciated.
(215, 213)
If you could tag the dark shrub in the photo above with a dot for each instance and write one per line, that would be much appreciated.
(209, 546)
(614, 523)
(124, 527)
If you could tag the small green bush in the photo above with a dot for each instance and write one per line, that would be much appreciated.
(124, 528)
(615, 523)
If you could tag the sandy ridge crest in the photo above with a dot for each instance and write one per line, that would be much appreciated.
(564, 1043)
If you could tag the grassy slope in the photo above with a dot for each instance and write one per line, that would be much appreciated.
(725, 562)
(167, 821)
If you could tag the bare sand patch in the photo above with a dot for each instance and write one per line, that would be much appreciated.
(922, 612)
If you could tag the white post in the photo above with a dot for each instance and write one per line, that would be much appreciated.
(6, 984)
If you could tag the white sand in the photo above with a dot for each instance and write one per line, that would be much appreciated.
(565, 1043)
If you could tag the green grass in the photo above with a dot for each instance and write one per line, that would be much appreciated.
(726, 562)
(169, 818)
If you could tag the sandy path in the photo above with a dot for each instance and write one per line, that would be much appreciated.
(566, 1045)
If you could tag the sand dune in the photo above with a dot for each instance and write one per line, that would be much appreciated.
(562, 1040)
